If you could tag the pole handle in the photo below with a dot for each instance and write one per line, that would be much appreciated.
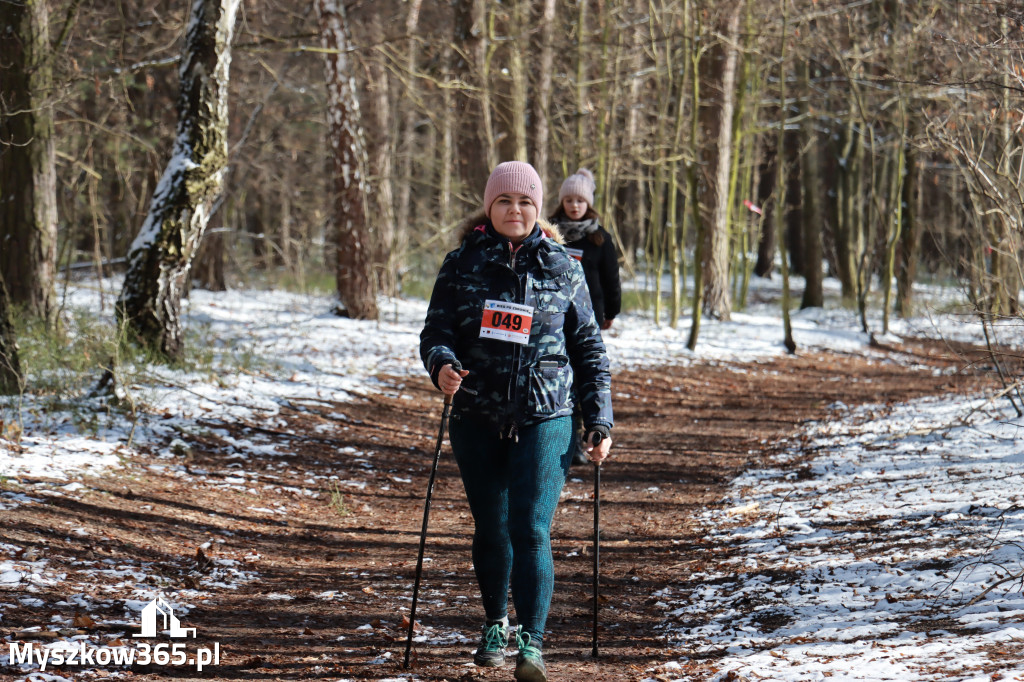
(457, 366)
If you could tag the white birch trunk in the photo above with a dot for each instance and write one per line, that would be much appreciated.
(353, 235)
(161, 255)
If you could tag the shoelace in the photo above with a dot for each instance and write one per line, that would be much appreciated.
(523, 642)
(495, 638)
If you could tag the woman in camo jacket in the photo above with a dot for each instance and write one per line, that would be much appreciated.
(510, 305)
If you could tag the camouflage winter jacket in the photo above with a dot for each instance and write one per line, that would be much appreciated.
(517, 383)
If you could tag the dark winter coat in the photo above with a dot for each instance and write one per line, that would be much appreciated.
(512, 384)
(601, 268)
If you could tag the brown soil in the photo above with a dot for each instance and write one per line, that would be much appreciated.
(681, 435)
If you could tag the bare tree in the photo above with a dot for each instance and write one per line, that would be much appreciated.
(518, 81)
(353, 233)
(908, 251)
(810, 173)
(28, 200)
(381, 150)
(468, 81)
(717, 300)
(162, 253)
(474, 151)
(780, 181)
(541, 115)
(407, 144)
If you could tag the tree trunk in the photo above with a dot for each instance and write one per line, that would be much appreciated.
(847, 227)
(1006, 274)
(717, 298)
(767, 240)
(810, 171)
(910, 234)
(11, 380)
(745, 146)
(894, 231)
(28, 205)
(388, 253)
(541, 139)
(692, 180)
(448, 123)
(676, 215)
(208, 268)
(517, 102)
(407, 145)
(780, 187)
(472, 145)
(794, 204)
(631, 196)
(353, 233)
(580, 93)
(659, 232)
(161, 255)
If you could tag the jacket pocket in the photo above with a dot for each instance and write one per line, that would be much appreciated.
(550, 382)
(549, 296)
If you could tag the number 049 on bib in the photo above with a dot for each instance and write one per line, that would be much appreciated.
(506, 321)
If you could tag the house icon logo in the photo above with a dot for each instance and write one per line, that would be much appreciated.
(159, 607)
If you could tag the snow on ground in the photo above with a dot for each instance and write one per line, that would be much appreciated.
(757, 332)
(277, 348)
(882, 560)
(831, 603)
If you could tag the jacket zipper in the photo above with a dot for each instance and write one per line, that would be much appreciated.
(513, 428)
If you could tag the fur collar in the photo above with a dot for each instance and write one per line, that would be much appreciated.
(464, 228)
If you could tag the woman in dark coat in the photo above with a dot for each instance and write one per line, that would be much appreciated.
(591, 244)
(587, 241)
(511, 306)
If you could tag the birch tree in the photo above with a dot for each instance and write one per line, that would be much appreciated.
(161, 255)
(28, 200)
(353, 235)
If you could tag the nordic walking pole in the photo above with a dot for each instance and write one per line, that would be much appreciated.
(597, 537)
(426, 514)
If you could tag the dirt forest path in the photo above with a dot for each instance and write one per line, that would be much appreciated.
(299, 576)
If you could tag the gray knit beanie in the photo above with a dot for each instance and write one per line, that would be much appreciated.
(513, 177)
(580, 184)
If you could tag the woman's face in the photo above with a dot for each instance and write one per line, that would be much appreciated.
(514, 216)
(575, 207)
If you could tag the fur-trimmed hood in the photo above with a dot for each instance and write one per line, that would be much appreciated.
(464, 228)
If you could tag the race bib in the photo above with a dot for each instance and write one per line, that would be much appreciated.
(506, 321)
(575, 253)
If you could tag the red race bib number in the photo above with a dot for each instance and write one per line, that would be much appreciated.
(506, 321)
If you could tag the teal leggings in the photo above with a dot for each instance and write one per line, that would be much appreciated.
(513, 490)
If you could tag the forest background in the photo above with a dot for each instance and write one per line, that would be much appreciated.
(878, 141)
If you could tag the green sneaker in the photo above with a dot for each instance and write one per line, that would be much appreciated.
(529, 663)
(491, 652)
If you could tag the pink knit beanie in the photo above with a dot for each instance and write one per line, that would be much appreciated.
(580, 184)
(513, 177)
